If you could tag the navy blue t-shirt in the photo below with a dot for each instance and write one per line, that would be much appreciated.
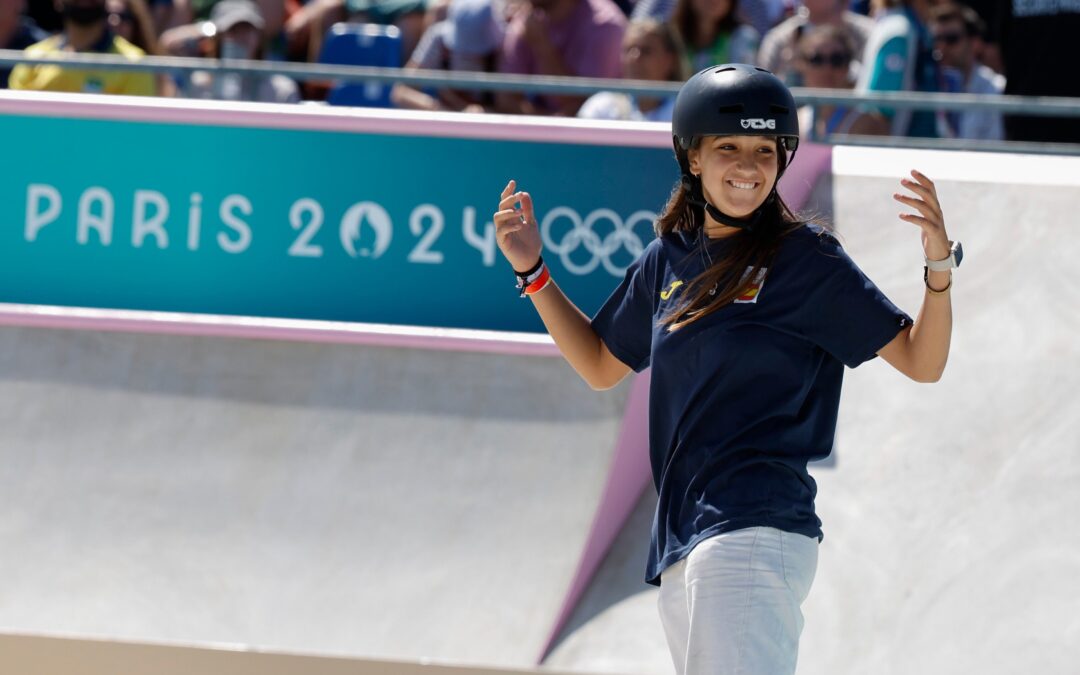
(742, 399)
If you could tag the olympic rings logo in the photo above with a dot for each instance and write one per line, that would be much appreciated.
(581, 235)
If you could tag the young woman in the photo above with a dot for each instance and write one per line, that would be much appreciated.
(650, 51)
(712, 34)
(823, 60)
(747, 318)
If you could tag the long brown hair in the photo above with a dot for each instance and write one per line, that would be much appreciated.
(726, 278)
(686, 20)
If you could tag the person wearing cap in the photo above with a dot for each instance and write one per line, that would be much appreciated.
(467, 40)
(237, 34)
(747, 316)
(86, 30)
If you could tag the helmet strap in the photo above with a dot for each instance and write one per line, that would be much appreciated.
(696, 196)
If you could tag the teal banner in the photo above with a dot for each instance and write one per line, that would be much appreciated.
(308, 224)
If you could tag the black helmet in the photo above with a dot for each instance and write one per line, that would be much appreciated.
(734, 99)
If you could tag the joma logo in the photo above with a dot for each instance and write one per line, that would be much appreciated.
(758, 123)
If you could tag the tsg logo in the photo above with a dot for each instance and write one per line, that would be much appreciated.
(758, 123)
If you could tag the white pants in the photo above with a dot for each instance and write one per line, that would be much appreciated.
(732, 607)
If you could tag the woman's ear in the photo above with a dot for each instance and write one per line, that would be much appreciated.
(693, 156)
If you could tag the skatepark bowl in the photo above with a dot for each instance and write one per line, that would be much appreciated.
(186, 494)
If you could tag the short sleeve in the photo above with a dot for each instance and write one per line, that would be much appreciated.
(845, 313)
(20, 77)
(430, 52)
(625, 321)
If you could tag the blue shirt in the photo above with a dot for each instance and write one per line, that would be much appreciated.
(742, 399)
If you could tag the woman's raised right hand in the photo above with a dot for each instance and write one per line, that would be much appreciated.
(516, 230)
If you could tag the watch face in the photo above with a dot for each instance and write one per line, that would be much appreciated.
(958, 253)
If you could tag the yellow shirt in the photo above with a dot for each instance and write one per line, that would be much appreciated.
(72, 80)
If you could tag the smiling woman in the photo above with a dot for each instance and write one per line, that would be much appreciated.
(747, 317)
(741, 173)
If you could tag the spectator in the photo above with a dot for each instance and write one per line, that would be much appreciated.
(467, 40)
(192, 11)
(823, 60)
(1037, 49)
(238, 28)
(132, 20)
(650, 51)
(778, 52)
(17, 31)
(900, 57)
(956, 30)
(86, 29)
(712, 33)
(189, 19)
(561, 37)
(761, 15)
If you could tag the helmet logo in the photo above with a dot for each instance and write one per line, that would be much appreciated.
(758, 123)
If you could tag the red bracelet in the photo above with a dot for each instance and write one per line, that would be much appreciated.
(541, 281)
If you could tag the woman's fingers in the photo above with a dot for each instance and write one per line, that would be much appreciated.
(509, 189)
(512, 199)
(922, 186)
(923, 207)
(507, 217)
(927, 197)
(919, 220)
(925, 182)
(527, 206)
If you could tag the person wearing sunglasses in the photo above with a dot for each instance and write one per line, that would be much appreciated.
(956, 31)
(778, 51)
(824, 60)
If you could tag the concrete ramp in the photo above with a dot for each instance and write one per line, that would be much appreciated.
(335, 499)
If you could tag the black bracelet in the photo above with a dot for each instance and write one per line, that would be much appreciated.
(532, 270)
(526, 278)
(926, 280)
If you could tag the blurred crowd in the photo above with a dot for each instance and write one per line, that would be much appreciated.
(983, 47)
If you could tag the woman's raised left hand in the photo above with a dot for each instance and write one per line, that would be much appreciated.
(932, 221)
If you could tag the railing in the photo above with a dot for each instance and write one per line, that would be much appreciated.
(1039, 106)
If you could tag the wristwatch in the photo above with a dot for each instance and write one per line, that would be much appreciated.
(956, 254)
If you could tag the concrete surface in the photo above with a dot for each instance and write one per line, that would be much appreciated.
(68, 656)
(342, 500)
